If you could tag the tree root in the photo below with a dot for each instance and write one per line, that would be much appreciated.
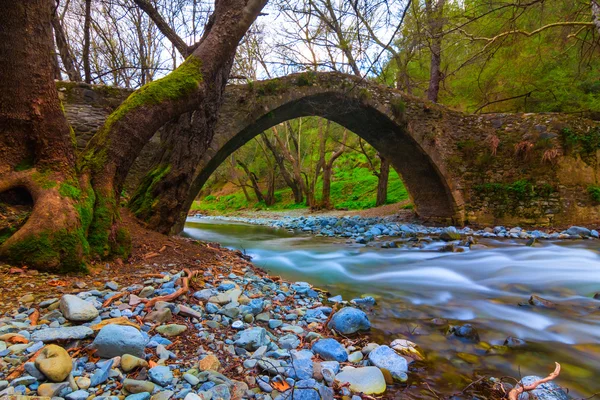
(169, 297)
(514, 393)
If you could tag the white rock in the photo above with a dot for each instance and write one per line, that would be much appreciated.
(367, 380)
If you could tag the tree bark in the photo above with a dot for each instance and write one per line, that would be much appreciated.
(596, 14)
(64, 51)
(382, 181)
(37, 152)
(254, 181)
(289, 180)
(87, 42)
(197, 85)
(327, 173)
(165, 29)
(436, 25)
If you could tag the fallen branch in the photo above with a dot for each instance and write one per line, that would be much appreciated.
(169, 297)
(34, 317)
(514, 393)
(109, 301)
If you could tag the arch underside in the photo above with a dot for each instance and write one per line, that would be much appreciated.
(425, 184)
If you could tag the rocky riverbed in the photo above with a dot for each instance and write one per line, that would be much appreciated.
(235, 334)
(365, 230)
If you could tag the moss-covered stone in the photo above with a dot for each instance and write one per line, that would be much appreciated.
(398, 107)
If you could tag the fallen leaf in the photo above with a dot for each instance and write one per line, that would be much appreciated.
(280, 386)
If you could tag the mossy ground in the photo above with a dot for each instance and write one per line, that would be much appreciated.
(351, 189)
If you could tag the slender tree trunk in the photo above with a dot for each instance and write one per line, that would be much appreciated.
(328, 171)
(382, 181)
(86, 41)
(279, 159)
(37, 152)
(254, 181)
(435, 23)
(65, 53)
(596, 13)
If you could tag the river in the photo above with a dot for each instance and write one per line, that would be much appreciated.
(418, 288)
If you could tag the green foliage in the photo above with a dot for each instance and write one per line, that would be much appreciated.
(583, 143)
(25, 164)
(270, 87)
(511, 196)
(306, 79)
(558, 66)
(143, 199)
(594, 192)
(398, 107)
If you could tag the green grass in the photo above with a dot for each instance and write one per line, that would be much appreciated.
(351, 189)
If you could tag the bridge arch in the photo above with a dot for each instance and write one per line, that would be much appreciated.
(382, 122)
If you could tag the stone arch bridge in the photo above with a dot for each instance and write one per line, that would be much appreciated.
(458, 168)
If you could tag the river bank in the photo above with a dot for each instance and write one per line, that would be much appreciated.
(189, 320)
(363, 229)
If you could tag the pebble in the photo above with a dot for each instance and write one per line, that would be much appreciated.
(63, 333)
(330, 350)
(76, 309)
(129, 362)
(160, 375)
(349, 320)
(171, 330)
(54, 362)
(116, 340)
(367, 380)
(384, 357)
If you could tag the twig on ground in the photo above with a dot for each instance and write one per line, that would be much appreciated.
(520, 388)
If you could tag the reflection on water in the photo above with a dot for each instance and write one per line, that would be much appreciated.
(484, 287)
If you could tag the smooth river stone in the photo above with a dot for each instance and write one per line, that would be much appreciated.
(367, 380)
(67, 333)
(76, 309)
(55, 363)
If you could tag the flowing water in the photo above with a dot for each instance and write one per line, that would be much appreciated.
(417, 289)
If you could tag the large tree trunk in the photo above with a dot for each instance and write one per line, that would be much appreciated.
(382, 181)
(197, 85)
(38, 154)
